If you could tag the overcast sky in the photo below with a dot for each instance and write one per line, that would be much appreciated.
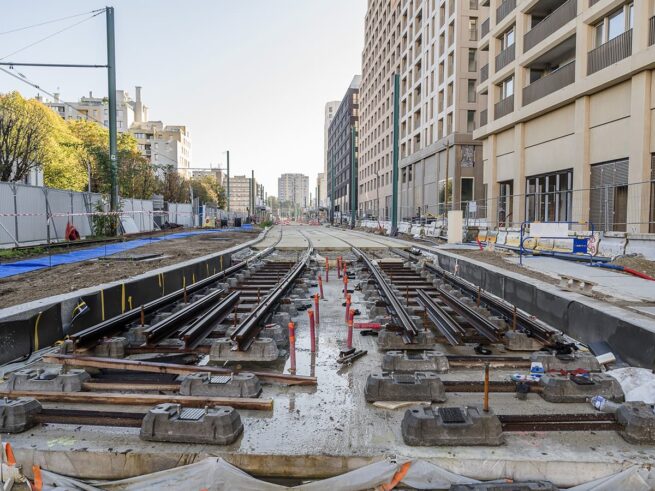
(251, 76)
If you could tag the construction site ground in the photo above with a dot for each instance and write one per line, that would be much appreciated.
(66, 278)
(329, 429)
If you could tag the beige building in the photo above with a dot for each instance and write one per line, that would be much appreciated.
(433, 46)
(567, 132)
(164, 145)
(241, 194)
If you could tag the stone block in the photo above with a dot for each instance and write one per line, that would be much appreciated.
(18, 415)
(278, 333)
(111, 348)
(48, 380)
(136, 335)
(393, 340)
(216, 385)
(261, 349)
(520, 341)
(281, 318)
(638, 422)
(579, 359)
(571, 388)
(418, 361)
(418, 386)
(172, 423)
(451, 426)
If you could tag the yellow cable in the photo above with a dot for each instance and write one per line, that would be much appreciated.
(36, 332)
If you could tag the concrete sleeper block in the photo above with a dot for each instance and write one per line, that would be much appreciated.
(452, 426)
(49, 380)
(563, 388)
(419, 361)
(418, 386)
(220, 425)
(261, 349)
(576, 360)
(17, 415)
(214, 385)
(638, 422)
(393, 340)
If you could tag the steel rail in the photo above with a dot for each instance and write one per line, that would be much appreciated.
(441, 319)
(200, 328)
(170, 324)
(559, 422)
(248, 329)
(479, 323)
(497, 305)
(90, 417)
(399, 310)
(91, 335)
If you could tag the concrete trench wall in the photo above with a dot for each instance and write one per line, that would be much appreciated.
(631, 336)
(33, 326)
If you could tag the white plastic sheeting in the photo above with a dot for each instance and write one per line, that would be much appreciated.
(215, 474)
(638, 384)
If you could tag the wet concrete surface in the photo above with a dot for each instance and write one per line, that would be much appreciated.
(321, 431)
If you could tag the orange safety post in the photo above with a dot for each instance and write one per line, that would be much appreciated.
(347, 306)
(312, 330)
(351, 319)
(327, 270)
(292, 346)
(316, 308)
(320, 286)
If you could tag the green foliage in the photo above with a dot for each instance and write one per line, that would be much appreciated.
(266, 223)
(104, 225)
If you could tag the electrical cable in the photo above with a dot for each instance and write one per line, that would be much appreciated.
(25, 80)
(50, 36)
(18, 29)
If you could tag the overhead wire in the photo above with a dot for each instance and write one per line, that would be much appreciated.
(51, 35)
(18, 29)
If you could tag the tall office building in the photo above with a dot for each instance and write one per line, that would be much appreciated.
(432, 46)
(293, 188)
(330, 110)
(567, 132)
(340, 153)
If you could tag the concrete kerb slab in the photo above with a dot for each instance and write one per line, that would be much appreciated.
(28, 309)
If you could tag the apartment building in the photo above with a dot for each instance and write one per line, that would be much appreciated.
(164, 145)
(330, 110)
(241, 197)
(432, 45)
(567, 131)
(340, 150)
(293, 188)
(97, 109)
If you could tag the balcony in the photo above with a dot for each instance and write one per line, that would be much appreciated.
(593, 2)
(550, 83)
(609, 53)
(651, 31)
(484, 73)
(484, 28)
(505, 57)
(504, 107)
(483, 117)
(504, 9)
(563, 14)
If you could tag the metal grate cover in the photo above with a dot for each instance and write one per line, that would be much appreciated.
(192, 414)
(220, 379)
(450, 415)
(403, 378)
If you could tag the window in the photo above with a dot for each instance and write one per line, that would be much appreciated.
(507, 40)
(608, 205)
(470, 121)
(614, 24)
(505, 203)
(466, 190)
(471, 90)
(549, 197)
(507, 88)
(473, 29)
(472, 64)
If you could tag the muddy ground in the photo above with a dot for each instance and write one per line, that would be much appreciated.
(70, 277)
(638, 263)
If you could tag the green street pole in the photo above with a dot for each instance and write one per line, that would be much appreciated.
(333, 183)
(394, 175)
(353, 177)
(228, 181)
(111, 89)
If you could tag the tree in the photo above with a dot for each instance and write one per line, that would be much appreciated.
(206, 188)
(222, 198)
(26, 141)
(173, 186)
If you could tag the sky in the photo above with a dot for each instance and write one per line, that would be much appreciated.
(248, 76)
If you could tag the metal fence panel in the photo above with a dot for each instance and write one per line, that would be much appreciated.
(7, 223)
(59, 203)
(31, 200)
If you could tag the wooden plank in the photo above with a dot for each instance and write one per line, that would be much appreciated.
(140, 399)
(169, 368)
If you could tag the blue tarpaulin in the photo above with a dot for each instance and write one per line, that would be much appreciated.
(33, 264)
